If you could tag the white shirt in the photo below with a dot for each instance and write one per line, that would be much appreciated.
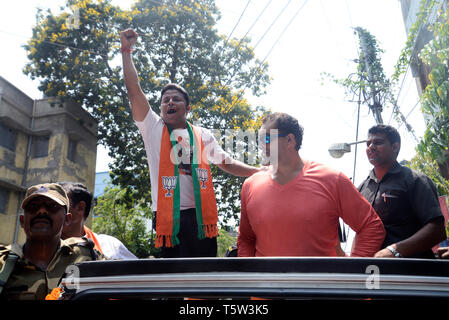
(151, 130)
(113, 248)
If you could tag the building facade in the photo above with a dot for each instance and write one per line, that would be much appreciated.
(410, 9)
(41, 141)
(421, 71)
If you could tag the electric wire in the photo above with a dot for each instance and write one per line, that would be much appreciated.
(271, 49)
(238, 21)
(271, 25)
(395, 106)
(64, 45)
(239, 43)
(409, 113)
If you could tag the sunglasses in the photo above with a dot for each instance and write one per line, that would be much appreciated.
(34, 206)
(268, 137)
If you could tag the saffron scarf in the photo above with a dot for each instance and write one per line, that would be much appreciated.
(91, 235)
(168, 198)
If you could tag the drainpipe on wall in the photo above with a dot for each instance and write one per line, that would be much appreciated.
(25, 172)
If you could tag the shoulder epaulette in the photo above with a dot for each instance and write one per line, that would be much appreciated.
(85, 243)
(78, 241)
(7, 267)
(15, 248)
(4, 250)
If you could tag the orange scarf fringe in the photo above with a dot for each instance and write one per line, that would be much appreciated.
(167, 222)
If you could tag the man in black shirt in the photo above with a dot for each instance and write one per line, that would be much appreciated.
(405, 200)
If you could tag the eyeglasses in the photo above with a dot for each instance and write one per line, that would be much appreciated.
(268, 137)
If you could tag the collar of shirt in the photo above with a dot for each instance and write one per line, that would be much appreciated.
(396, 168)
(64, 249)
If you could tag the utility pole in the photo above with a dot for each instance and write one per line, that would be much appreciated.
(373, 99)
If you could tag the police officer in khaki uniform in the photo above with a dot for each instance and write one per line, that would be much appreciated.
(37, 266)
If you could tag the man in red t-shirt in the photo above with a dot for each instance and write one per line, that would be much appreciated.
(293, 209)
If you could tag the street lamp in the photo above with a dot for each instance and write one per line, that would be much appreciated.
(337, 150)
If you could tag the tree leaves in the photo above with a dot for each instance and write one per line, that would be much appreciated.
(118, 214)
(368, 84)
(434, 100)
(178, 43)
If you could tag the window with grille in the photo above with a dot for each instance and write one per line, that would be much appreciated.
(71, 151)
(8, 137)
(4, 197)
(40, 146)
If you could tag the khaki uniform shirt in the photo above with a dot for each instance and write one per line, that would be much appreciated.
(28, 282)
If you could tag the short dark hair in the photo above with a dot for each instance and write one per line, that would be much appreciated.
(78, 192)
(390, 132)
(174, 86)
(286, 124)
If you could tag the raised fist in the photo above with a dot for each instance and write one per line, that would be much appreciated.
(127, 39)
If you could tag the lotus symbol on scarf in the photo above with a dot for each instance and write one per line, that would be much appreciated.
(169, 183)
(202, 176)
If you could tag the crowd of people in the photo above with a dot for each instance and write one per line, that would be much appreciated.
(289, 207)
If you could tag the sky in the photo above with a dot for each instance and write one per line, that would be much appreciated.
(321, 39)
(300, 40)
(307, 39)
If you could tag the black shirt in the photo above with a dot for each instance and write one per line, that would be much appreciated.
(405, 201)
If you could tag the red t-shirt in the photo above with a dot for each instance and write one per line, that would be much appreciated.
(301, 217)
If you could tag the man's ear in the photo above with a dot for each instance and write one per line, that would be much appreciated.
(81, 206)
(68, 219)
(77, 212)
(21, 219)
(396, 147)
(291, 139)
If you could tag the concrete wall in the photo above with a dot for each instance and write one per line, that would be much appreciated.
(420, 71)
(61, 122)
(410, 8)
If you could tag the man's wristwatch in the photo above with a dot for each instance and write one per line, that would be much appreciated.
(394, 252)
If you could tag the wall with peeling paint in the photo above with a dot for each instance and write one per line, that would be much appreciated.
(22, 167)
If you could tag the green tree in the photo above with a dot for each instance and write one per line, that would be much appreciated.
(179, 43)
(369, 85)
(423, 162)
(118, 214)
(224, 241)
(433, 152)
(435, 98)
